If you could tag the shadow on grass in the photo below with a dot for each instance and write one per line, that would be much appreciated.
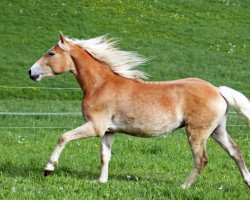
(85, 174)
(13, 170)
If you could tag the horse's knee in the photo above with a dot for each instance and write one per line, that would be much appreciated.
(61, 140)
(65, 138)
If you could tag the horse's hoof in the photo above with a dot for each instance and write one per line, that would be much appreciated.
(48, 172)
(101, 181)
(184, 186)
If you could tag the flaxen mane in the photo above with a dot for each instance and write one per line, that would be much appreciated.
(121, 62)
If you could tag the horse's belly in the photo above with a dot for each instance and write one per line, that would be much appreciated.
(149, 127)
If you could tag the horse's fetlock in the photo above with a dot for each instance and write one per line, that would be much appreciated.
(55, 162)
(102, 180)
(50, 167)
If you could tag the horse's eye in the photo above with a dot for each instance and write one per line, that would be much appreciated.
(51, 53)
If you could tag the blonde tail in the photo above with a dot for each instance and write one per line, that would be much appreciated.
(237, 100)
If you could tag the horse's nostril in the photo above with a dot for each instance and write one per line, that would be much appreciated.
(34, 77)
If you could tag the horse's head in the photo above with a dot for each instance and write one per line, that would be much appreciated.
(56, 61)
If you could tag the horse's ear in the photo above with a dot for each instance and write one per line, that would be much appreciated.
(62, 38)
(63, 44)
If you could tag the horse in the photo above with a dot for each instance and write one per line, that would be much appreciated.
(117, 99)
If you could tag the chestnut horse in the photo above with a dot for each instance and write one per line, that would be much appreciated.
(117, 100)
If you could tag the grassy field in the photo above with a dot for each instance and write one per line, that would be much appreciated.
(208, 39)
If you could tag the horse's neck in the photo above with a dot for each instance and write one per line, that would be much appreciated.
(90, 73)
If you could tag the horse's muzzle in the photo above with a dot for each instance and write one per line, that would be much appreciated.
(32, 77)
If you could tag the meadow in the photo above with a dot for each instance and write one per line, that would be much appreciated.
(208, 39)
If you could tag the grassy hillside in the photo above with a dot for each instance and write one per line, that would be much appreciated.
(205, 39)
(208, 39)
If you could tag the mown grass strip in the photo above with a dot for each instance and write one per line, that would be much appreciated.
(38, 88)
(42, 114)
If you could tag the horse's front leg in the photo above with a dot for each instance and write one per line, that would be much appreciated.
(84, 131)
(106, 144)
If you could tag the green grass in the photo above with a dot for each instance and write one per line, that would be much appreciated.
(208, 39)
(151, 168)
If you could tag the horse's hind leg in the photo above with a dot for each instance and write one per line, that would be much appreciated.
(197, 139)
(221, 136)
